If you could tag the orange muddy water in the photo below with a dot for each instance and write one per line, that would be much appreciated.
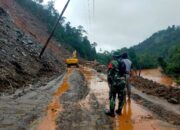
(157, 76)
(134, 116)
(54, 108)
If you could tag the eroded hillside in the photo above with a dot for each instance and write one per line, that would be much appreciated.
(19, 61)
(32, 26)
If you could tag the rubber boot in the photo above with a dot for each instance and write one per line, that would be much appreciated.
(110, 113)
(119, 111)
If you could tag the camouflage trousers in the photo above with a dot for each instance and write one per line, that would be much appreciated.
(114, 92)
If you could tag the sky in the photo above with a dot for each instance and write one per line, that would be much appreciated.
(114, 24)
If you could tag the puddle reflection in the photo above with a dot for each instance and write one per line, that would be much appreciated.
(124, 121)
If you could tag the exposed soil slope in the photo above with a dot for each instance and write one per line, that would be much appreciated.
(32, 26)
(19, 62)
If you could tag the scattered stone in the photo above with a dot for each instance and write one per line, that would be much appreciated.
(173, 100)
(2, 12)
(3, 40)
(23, 53)
(4, 51)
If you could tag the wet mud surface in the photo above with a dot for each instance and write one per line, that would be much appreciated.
(81, 110)
(76, 101)
(20, 110)
(49, 121)
(163, 113)
(171, 94)
(134, 115)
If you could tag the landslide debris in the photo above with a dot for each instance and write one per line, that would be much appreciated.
(19, 62)
(150, 87)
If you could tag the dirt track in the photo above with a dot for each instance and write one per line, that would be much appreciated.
(75, 103)
(20, 110)
(134, 117)
(81, 107)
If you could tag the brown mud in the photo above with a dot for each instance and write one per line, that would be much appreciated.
(49, 121)
(157, 76)
(22, 110)
(134, 116)
(75, 103)
(171, 94)
(81, 108)
(165, 113)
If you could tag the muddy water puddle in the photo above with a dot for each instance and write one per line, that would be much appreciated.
(54, 108)
(157, 76)
(134, 116)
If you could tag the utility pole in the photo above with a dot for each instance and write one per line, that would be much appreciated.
(54, 28)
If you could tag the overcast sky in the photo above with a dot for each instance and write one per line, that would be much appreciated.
(114, 24)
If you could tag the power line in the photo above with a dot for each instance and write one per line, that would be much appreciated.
(54, 28)
(89, 15)
(93, 8)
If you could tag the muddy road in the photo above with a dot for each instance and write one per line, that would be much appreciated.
(134, 116)
(74, 101)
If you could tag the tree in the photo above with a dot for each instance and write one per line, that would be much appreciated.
(173, 62)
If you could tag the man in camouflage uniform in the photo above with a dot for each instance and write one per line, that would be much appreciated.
(117, 83)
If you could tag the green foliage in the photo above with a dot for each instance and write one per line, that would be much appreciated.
(104, 58)
(162, 62)
(71, 37)
(173, 61)
(157, 46)
(161, 49)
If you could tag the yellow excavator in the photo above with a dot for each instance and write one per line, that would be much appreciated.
(73, 61)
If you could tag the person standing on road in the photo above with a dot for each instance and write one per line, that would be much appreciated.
(128, 64)
(117, 83)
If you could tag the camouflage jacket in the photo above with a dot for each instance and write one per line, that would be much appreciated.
(114, 77)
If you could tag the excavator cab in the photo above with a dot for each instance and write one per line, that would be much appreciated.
(73, 61)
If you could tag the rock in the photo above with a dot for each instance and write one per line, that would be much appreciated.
(23, 42)
(173, 100)
(13, 56)
(172, 122)
(30, 42)
(23, 53)
(27, 42)
(3, 40)
(2, 12)
(19, 34)
(4, 51)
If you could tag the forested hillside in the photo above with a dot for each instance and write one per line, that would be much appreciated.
(157, 46)
(70, 37)
(161, 49)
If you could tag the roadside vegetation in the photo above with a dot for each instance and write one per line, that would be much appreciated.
(161, 49)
